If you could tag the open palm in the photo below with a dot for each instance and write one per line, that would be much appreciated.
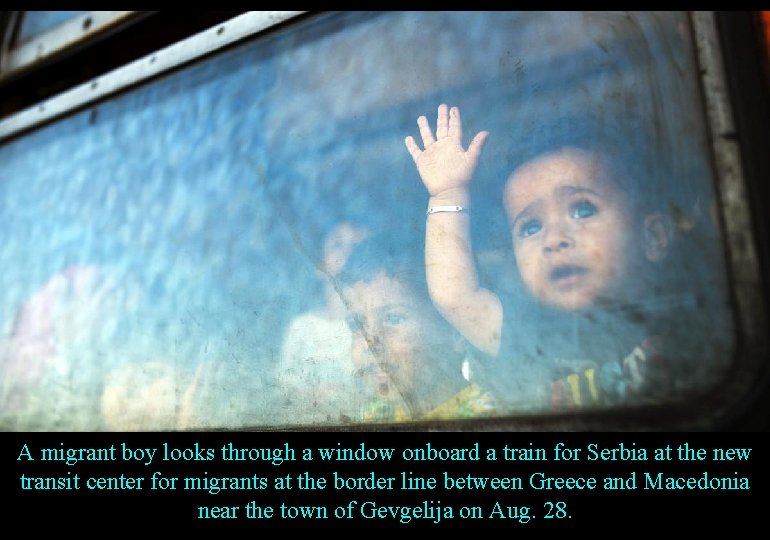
(444, 164)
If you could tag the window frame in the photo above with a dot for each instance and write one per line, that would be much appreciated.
(748, 289)
(142, 69)
(66, 38)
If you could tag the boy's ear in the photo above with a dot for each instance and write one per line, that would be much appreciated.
(657, 237)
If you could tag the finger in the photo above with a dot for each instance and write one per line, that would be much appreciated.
(412, 147)
(442, 122)
(455, 125)
(425, 132)
(474, 149)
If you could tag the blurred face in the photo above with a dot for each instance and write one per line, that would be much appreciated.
(572, 229)
(338, 245)
(389, 332)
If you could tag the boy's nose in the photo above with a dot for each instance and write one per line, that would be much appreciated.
(557, 240)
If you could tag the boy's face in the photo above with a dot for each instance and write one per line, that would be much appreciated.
(389, 331)
(572, 227)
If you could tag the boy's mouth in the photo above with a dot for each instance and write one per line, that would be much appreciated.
(566, 275)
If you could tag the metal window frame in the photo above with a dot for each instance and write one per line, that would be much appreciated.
(64, 38)
(749, 291)
(144, 68)
(746, 282)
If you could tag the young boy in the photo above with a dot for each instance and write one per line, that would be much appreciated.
(585, 245)
(402, 347)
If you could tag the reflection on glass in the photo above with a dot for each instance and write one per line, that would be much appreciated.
(193, 243)
(35, 23)
(149, 396)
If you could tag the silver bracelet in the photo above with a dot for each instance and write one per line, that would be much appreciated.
(436, 209)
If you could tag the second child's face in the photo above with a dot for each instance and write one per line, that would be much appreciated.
(391, 331)
(573, 231)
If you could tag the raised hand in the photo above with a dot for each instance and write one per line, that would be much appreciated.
(444, 165)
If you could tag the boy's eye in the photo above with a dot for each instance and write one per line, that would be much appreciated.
(530, 227)
(582, 210)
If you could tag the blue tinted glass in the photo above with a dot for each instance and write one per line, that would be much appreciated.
(35, 23)
(242, 242)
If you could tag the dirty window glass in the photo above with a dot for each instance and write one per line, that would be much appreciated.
(35, 23)
(243, 242)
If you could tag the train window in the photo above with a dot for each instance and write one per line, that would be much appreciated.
(35, 23)
(382, 220)
(35, 37)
